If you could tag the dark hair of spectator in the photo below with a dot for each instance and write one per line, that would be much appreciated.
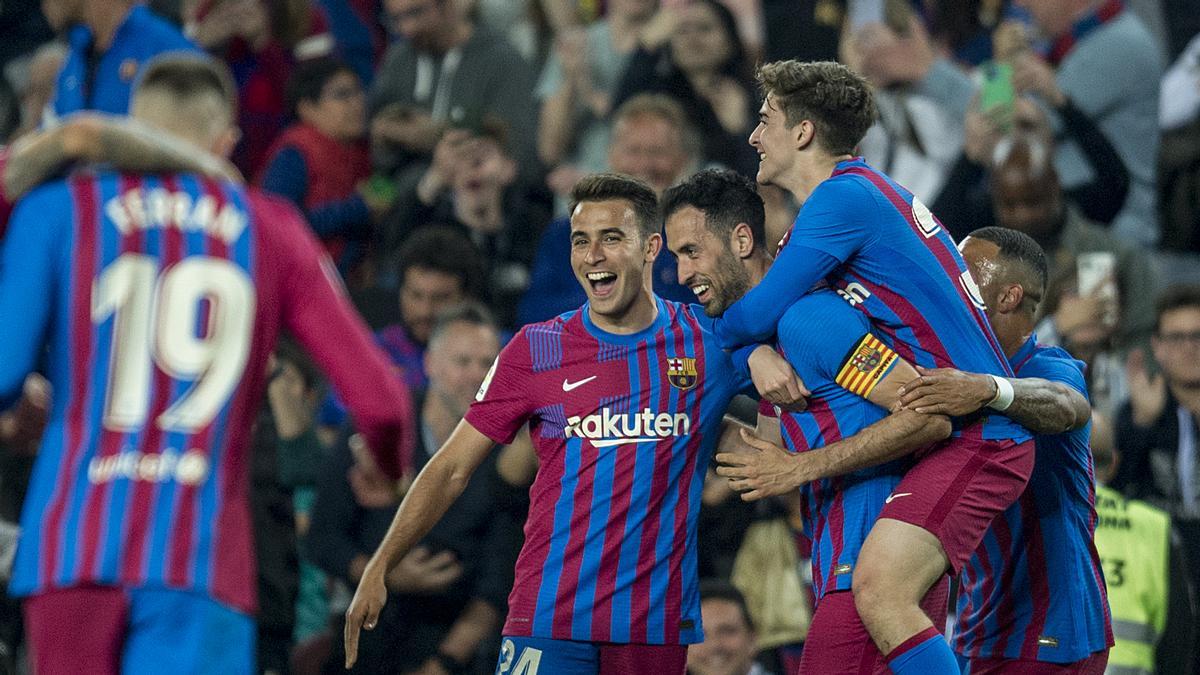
(736, 65)
(440, 248)
(1180, 296)
(601, 187)
(185, 75)
(834, 98)
(308, 80)
(1018, 246)
(725, 197)
(719, 589)
(289, 351)
(470, 312)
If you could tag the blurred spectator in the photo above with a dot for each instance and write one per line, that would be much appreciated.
(359, 35)
(651, 141)
(447, 70)
(261, 40)
(1157, 430)
(473, 186)
(693, 54)
(24, 27)
(111, 41)
(1146, 574)
(915, 140)
(965, 203)
(730, 642)
(1101, 58)
(579, 82)
(806, 30)
(449, 594)
(320, 163)
(518, 21)
(35, 83)
(1028, 198)
(287, 458)
(963, 28)
(438, 268)
(1179, 159)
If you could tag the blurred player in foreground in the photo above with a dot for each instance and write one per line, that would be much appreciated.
(156, 300)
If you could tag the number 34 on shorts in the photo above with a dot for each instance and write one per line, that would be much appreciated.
(518, 659)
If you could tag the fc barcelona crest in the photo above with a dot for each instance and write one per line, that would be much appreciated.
(681, 373)
(866, 358)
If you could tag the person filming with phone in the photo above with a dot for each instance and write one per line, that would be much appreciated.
(1090, 306)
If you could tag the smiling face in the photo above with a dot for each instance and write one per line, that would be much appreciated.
(706, 264)
(610, 256)
(775, 142)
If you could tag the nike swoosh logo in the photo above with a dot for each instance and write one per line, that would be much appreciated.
(568, 386)
(896, 496)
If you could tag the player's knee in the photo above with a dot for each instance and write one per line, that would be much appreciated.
(870, 589)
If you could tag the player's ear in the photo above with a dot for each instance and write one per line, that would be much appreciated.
(805, 134)
(653, 246)
(1011, 300)
(741, 240)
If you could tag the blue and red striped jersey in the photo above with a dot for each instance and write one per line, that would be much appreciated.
(883, 251)
(819, 335)
(155, 302)
(1034, 589)
(624, 427)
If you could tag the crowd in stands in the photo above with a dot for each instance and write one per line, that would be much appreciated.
(431, 145)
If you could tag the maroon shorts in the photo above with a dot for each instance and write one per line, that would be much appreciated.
(957, 489)
(838, 643)
(1092, 665)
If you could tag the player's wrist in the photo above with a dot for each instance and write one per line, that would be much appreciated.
(1004, 394)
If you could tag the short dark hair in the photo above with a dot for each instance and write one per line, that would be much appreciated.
(442, 248)
(309, 78)
(185, 75)
(1018, 246)
(834, 98)
(600, 187)
(470, 312)
(1179, 296)
(719, 589)
(725, 197)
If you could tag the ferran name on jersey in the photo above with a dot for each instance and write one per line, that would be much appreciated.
(681, 373)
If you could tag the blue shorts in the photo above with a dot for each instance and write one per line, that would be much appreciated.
(531, 656)
(113, 630)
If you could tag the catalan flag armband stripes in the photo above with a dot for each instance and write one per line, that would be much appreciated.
(865, 366)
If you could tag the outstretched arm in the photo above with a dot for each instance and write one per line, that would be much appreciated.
(1039, 405)
(93, 137)
(436, 488)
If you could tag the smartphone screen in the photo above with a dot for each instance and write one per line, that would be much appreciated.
(996, 95)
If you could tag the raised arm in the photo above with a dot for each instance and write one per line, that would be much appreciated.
(94, 137)
(436, 488)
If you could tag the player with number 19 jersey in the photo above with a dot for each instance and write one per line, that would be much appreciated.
(624, 427)
(160, 299)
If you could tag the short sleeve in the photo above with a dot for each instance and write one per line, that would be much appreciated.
(821, 333)
(1056, 365)
(502, 405)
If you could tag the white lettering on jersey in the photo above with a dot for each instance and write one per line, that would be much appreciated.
(487, 381)
(854, 293)
(607, 428)
(924, 217)
(139, 209)
(968, 284)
